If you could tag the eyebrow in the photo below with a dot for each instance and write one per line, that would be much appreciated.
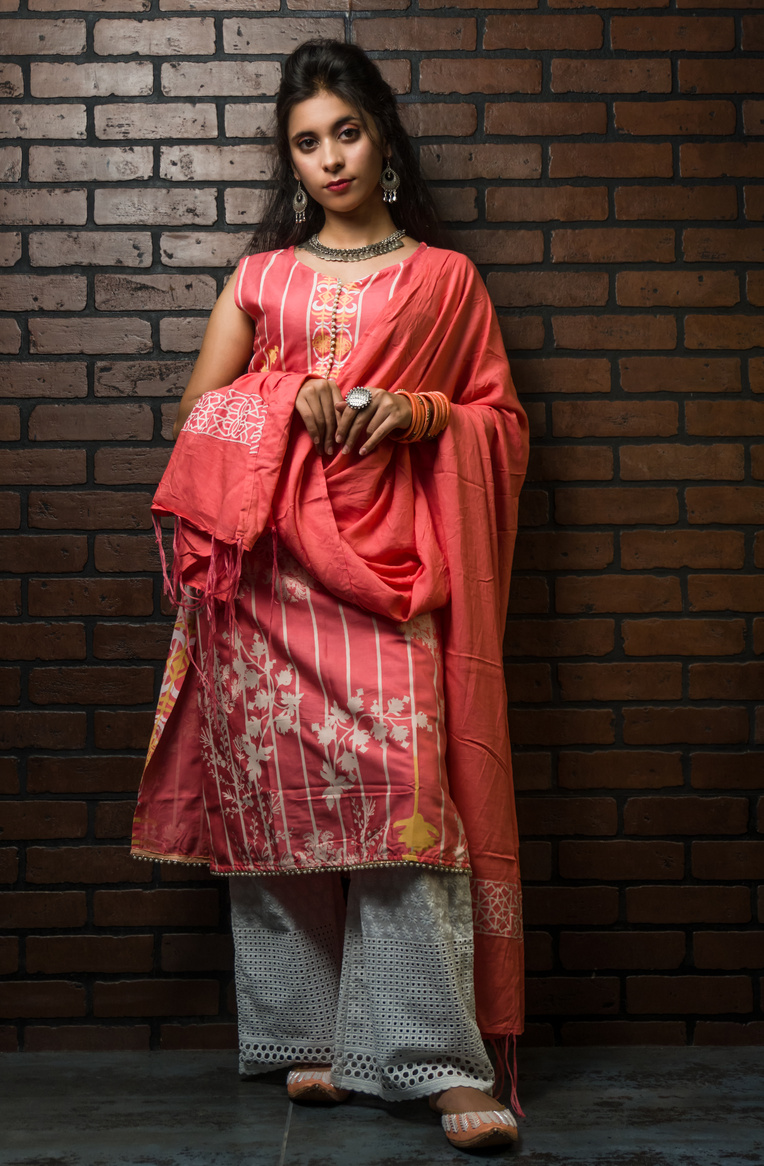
(335, 125)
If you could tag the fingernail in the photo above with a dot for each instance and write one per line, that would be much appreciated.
(346, 449)
(362, 452)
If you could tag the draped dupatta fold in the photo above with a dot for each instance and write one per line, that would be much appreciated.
(406, 530)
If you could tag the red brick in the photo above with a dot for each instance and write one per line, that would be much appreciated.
(685, 815)
(619, 769)
(532, 771)
(11, 81)
(755, 288)
(704, 289)
(754, 200)
(731, 859)
(571, 905)
(122, 730)
(481, 161)
(561, 726)
(689, 994)
(522, 333)
(536, 861)
(197, 953)
(683, 637)
(694, 904)
(64, 597)
(621, 860)
(562, 374)
(613, 245)
(22, 909)
(529, 682)
(198, 1036)
(753, 34)
(728, 949)
(187, 36)
(10, 686)
(753, 117)
(543, 32)
(91, 685)
(9, 870)
(114, 820)
(559, 637)
(203, 163)
(10, 241)
(203, 248)
(43, 552)
(84, 864)
(130, 422)
(652, 374)
(740, 681)
(141, 378)
(726, 593)
(484, 75)
(54, 248)
(9, 955)
(91, 510)
(723, 1032)
(31, 641)
(10, 597)
(52, 379)
(722, 160)
(47, 121)
(614, 419)
(735, 245)
(516, 204)
(48, 293)
(738, 504)
(534, 508)
(35, 819)
(42, 37)
(651, 462)
(619, 331)
(536, 413)
(220, 78)
(623, 1032)
(86, 1038)
(453, 204)
(694, 726)
(154, 207)
(10, 336)
(89, 163)
(695, 34)
(610, 160)
(179, 334)
(94, 336)
(668, 118)
(125, 552)
(154, 292)
(727, 771)
(37, 466)
(608, 682)
(156, 998)
(520, 118)
(83, 774)
(131, 79)
(556, 550)
(570, 75)
(131, 641)
(676, 202)
(570, 463)
(720, 76)
(724, 332)
(614, 505)
(42, 730)
(427, 33)
(501, 246)
(644, 550)
(567, 815)
(561, 289)
(528, 595)
(539, 956)
(89, 953)
(155, 908)
(138, 120)
(419, 119)
(23, 998)
(592, 950)
(572, 995)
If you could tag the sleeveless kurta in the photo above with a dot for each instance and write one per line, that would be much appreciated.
(305, 734)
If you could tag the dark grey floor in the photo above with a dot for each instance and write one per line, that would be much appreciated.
(601, 1107)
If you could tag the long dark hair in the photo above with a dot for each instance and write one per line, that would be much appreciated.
(345, 70)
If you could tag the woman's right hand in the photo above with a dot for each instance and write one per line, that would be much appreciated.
(316, 403)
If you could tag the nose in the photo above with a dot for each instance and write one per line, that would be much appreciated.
(331, 155)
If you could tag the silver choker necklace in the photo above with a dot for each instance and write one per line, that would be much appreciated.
(354, 254)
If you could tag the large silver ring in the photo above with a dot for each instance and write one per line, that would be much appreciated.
(358, 398)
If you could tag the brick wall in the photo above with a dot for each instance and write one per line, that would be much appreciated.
(603, 167)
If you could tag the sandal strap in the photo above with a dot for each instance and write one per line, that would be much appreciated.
(453, 1123)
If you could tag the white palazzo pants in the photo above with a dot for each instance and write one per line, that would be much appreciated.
(381, 990)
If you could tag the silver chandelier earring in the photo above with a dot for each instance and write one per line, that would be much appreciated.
(299, 203)
(390, 181)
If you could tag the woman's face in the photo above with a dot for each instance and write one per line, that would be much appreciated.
(332, 154)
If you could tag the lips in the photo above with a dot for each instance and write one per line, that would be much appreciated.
(341, 185)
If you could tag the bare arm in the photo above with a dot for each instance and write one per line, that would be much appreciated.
(225, 351)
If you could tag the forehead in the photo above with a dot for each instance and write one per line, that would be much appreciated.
(319, 112)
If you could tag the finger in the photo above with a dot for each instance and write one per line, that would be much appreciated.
(326, 405)
(359, 423)
(306, 413)
(313, 416)
(373, 438)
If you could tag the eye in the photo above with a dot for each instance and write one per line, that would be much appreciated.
(306, 144)
(350, 133)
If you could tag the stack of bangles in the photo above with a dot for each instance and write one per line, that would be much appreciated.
(430, 414)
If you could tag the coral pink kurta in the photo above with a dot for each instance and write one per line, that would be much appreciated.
(368, 589)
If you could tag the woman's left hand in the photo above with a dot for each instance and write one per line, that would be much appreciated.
(385, 413)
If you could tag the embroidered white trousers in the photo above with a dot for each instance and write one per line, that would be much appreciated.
(382, 990)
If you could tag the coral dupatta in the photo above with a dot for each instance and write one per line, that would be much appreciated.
(405, 530)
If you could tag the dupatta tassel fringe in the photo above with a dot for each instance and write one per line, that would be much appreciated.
(504, 1070)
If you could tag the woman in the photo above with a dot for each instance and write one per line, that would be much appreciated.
(333, 699)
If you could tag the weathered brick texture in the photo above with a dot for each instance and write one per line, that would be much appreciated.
(604, 170)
